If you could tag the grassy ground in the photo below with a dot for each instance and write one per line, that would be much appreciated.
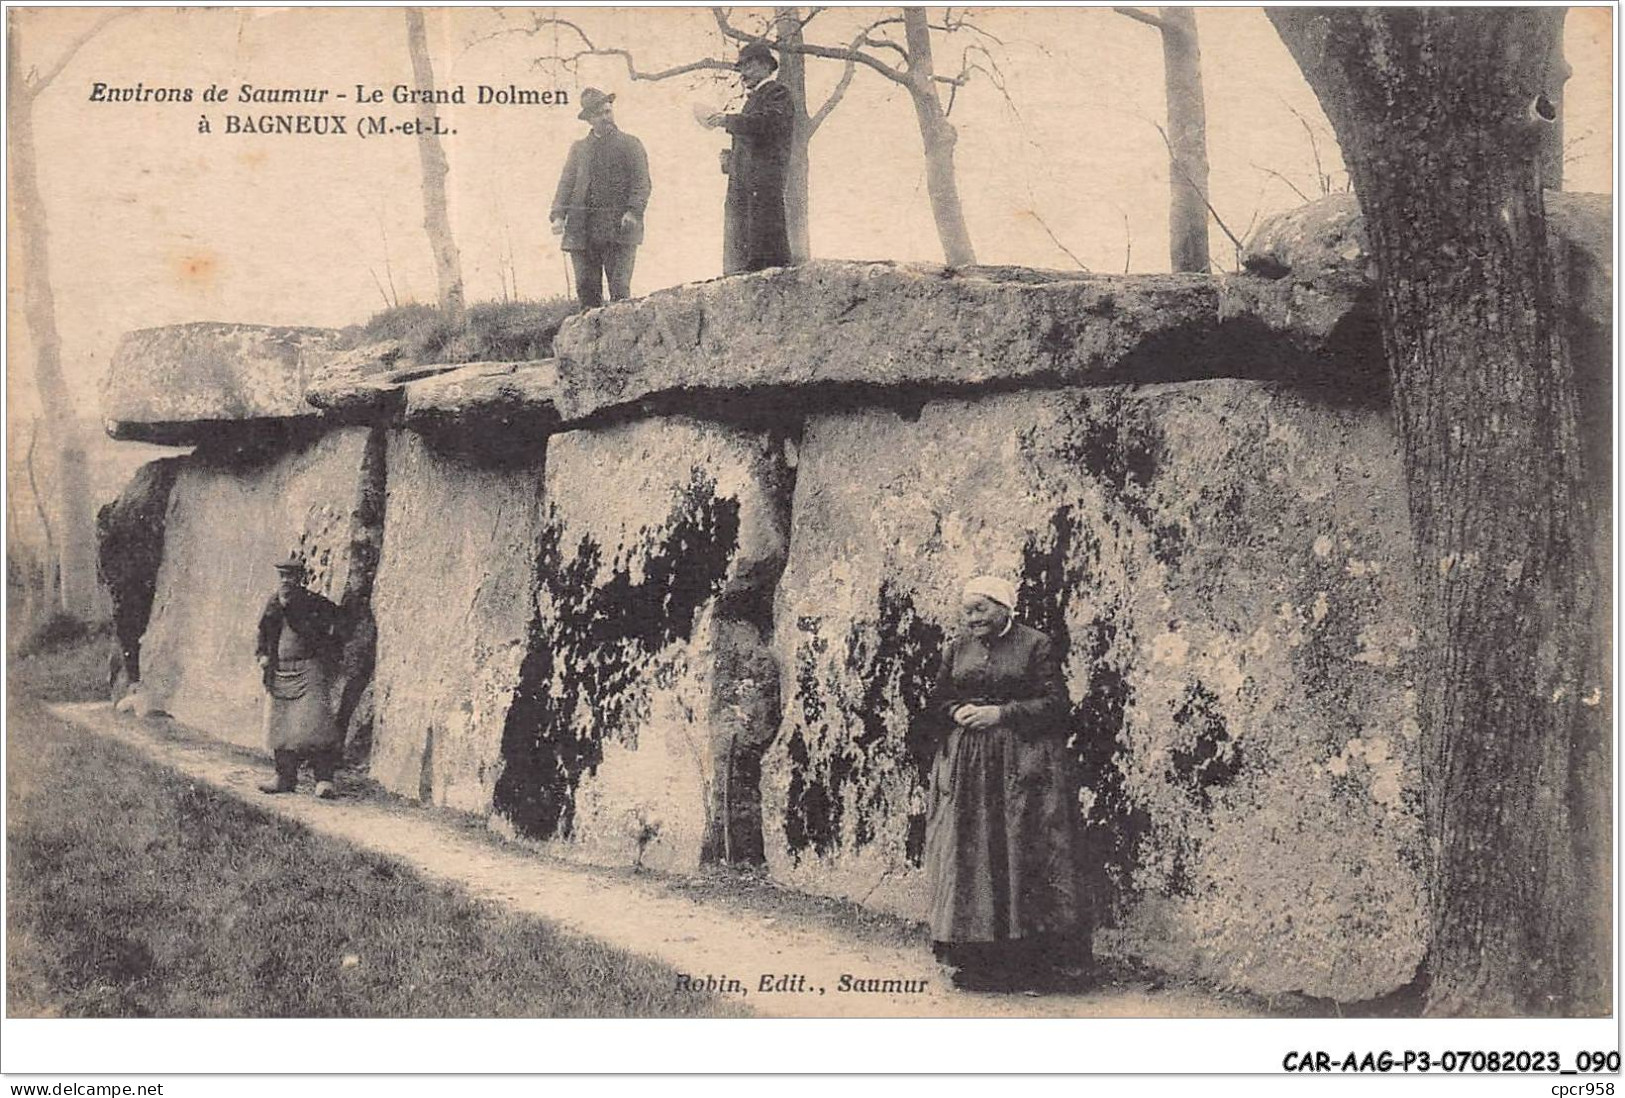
(501, 331)
(133, 892)
(59, 661)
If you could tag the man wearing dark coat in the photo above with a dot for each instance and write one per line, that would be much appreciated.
(297, 646)
(757, 237)
(598, 207)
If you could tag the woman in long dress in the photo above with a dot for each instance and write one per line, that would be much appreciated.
(1001, 833)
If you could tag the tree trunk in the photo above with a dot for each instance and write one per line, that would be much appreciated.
(1430, 108)
(44, 591)
(1558, 72)
(939, 137)
(793, 75)
(22, 574)
(1187, 141)
(448, 267)
(76, 528)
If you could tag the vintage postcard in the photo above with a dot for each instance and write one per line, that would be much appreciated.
(1078, 513)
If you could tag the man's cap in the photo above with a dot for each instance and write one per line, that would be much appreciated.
(591, 100)
(757, 51)
(293, 563)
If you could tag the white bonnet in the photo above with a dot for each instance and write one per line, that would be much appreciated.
(1001, 591)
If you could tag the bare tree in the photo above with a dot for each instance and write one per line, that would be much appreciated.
(1186, 135)
(787, 35)
(77, 544)
(1432, 110)
(940, 137)
(448, 265)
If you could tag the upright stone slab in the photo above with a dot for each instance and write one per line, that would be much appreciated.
(1228, 563)
(230, 519)
(129, 551)
(649, 670)
(453, 601)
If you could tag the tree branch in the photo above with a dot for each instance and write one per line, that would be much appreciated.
(1321, 177)
(36, 83)
(494, 35)
(950, 25)
(1173, 162)
(1142, 17)
(378, 283)
(729, 30)
(884, 44)
(1042, 224)
(889, 21)
(1283, 179)
(538, 24)
(704, 64)
(837, 53)
(817, 119)
(994, 74)
(853, 52)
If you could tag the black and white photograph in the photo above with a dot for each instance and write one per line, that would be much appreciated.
(1094, 515)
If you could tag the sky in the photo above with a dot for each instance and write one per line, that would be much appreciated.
(153, 223)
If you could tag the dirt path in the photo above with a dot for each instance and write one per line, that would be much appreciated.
(704, 937)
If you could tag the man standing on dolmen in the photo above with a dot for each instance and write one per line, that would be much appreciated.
(598, 207)
(299, 637)
(757, 163)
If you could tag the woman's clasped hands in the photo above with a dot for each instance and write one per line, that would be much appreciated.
(976, 717)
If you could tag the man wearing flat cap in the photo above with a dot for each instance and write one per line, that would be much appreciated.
(598, 207)
(756, 165)
(298, 643)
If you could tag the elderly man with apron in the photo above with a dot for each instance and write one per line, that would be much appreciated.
(299, 634)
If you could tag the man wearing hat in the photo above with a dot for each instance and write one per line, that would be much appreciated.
(299, 636)
(756, 164)
(598, 207)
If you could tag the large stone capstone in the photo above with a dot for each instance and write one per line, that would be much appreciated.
(229, 521)
(873, 326)
(183, 384)
(649, 683)
(1229, 562)
(486, 400)
(462, 398)
(454, 605)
